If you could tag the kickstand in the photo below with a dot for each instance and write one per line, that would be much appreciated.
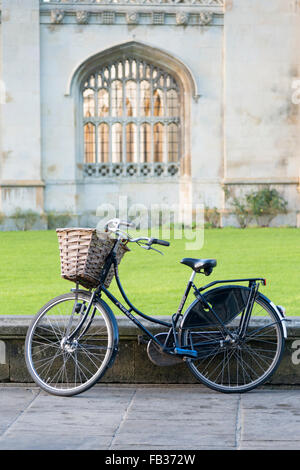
(142, 340)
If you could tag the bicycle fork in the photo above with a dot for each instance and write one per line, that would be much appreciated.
(69, 338)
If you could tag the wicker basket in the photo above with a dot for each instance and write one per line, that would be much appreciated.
(82, 254)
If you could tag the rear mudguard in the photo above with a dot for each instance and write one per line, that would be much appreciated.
(279, 310)
(228, 302)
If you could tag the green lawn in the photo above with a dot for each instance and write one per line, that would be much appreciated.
(30, 268)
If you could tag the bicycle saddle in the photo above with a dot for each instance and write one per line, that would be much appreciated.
(197, 264)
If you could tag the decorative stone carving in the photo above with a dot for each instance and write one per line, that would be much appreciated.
(132, 17)
(182, 18)
(158, 17)
(145, 169)
(82, 17)
(176, 15)
(205, 17)
(173, 168)
(132, 169)
(201, 3)
(108, 17)
(57, 16)
(159, 169)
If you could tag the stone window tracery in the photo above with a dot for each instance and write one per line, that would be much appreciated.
(131, 120)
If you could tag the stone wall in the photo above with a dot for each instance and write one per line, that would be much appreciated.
(132, 364)
(237, 62)
(21, 182)
(261, 125)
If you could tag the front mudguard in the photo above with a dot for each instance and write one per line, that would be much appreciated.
(115, 331)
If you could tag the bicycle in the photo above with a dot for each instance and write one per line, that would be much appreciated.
(231, 336)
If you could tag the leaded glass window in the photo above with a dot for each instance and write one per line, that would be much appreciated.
(131, 120)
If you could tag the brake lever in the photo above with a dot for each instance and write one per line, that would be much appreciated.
(148, 247)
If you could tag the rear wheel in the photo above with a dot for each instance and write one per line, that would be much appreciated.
(67, 367)
(231, 364)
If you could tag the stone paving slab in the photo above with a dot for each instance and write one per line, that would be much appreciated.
(150, 417)
(12, 404)
(271, 420)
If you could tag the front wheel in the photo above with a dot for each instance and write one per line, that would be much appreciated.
(232, 364)
(67, 367)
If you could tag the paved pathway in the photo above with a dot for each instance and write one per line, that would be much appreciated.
(149, 417)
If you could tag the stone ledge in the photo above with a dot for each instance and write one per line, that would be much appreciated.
(132, 364)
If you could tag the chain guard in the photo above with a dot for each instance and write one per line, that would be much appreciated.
(157, 357)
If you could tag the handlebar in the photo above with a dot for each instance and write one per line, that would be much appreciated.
(159, 242)
(127, 224)
(113, 225)
(151, 241)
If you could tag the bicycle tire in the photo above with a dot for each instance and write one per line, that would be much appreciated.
(238, 368)
(69, 369)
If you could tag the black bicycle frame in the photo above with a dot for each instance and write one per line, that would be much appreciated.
(112, 260)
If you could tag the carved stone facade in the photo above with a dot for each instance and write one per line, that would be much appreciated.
(162, 101)
(57, 16)
(132, 17)
(182, 18)
(82, 17)
(146, 16)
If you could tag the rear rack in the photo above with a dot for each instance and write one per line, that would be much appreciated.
(251, 280)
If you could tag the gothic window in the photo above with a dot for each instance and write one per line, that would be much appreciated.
(145, 143)
(89, 143)
(131, 120)
(103, 141)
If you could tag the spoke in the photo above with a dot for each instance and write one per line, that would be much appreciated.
(82, 367)
(224, 365)
(48, 364)
(216, 353)
(52, 327)
(45, 339)
(79, 369)
(49, 359)
(60, 372)
(254, 356)
(241, 361)
(88, 352)
(245, 365)
(261, 340)
(252, 333)
(43, 348)
(89, 356)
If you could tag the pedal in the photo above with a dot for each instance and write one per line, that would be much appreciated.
(186, 352)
